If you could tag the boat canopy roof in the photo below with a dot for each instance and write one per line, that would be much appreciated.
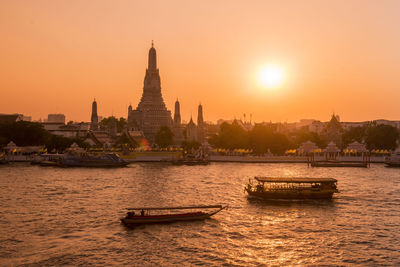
(295, 180)
(179, 208)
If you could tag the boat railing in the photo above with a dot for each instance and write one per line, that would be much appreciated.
(179, 207)
(150, 211)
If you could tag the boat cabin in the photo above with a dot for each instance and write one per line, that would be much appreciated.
(292, 188)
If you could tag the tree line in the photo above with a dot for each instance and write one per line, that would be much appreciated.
(24, 133)
(266, 137)
(260, 139)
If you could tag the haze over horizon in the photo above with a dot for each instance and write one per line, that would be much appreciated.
(339, 56)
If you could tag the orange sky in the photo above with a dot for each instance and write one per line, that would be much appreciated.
(338, 56)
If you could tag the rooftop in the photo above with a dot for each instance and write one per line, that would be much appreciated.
(295, 180)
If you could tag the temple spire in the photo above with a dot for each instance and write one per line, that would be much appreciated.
(177, 116)
(200, 115)
(94, 120)
(152, 58)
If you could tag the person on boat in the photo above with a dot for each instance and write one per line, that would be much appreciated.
(259, 188)
(142, 213)
(131, 214)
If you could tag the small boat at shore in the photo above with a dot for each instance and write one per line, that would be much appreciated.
(191, 162)
(192, 159)
(292, 188)
(84, 159)
(149, 215)
(334, 163)
(393, 160)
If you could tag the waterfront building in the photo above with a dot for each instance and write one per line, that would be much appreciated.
(151, 112)
(94, 122)
(333, 131)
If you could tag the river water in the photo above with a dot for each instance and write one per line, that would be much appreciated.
(55, 216)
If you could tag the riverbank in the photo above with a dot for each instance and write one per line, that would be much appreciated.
(285, 159)
(166, 156)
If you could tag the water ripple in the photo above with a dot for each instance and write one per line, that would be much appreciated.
(51, 216)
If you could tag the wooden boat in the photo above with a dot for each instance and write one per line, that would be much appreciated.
(292, 188)
(339, 164)
(144, 216)
(191, 159)
(49, 163)
(190, 162)
(393, 160)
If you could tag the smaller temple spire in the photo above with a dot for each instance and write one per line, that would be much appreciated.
(177, 115)
(200, 115)
(95, 119)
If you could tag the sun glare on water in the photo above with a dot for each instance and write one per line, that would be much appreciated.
(271, 77)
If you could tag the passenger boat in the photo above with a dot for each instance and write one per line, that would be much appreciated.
(393, 160)
(292, 188)
(147, 215)
(83, 159)
(191, 162)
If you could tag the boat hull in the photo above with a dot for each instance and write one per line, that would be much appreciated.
(393, 164)
(295, 194)
(339, 164)
(48, 163)
(164, 218)
(191, 163)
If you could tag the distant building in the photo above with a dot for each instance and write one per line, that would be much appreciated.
(348, 125)
(151, 112)
(26, 118)
(10, 118)
(58, 118)
(395, 124)
(304, 122)
(317, 127)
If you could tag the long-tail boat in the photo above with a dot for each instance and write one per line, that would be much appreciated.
(334, 163)
(292, 188)
(147, 215)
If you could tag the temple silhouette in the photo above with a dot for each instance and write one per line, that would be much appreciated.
(151, 112)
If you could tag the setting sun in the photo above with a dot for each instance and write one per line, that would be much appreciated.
(271, 76)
